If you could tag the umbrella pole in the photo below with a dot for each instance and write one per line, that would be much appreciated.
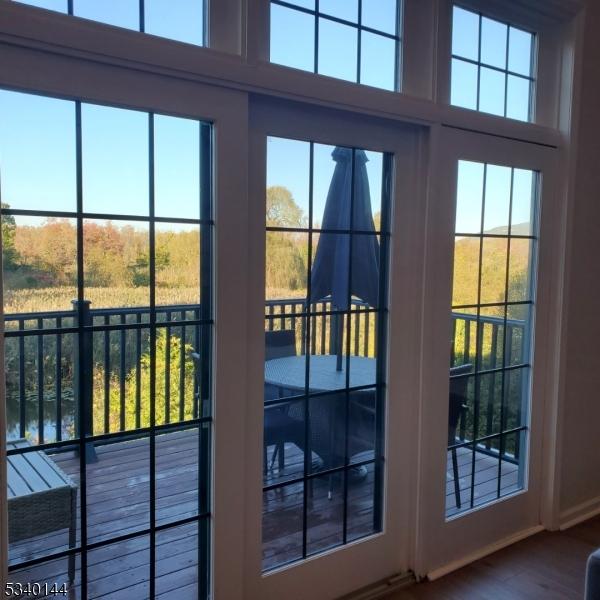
(339, 339)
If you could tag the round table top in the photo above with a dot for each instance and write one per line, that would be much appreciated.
(290, 372)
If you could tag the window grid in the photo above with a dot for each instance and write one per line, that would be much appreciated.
(83, 441)
(479, 63)
(359, 26)
(492, 443)
(309, 474)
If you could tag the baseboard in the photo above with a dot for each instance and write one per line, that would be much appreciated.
(485, 551)
(382, 588)
(577, 514)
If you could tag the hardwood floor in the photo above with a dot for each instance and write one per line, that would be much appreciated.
(547, 566)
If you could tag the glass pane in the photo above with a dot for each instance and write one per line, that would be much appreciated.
(177, 564)
(362, 420)
(284, 428)
(37, 152)
(282, 524)
(176, 167)
(176, 453)
(326, 160)
(58, 575)
(523, 204)
(380, 15)
(516, 386)
(338, 48)
(39, 264)
(286, 265)
(120, 504)
(325, 516)
(517, 98)
(459, 471)
(177, 264)
(181, 20)
(466, 271)
(122, 13)
(519, 279)
(52, 527)
(493, 43)
(342, 9)
(497, 200)
(469, 197)
(310, 4)
(520, 51)
(463, 348)
(511, 479)
(58, 5)
(108, 575)
(464, 84)
(362, 512)
(292, 38)
(115, 160)
(116, 263)
(378, 61)
(492, 91)
(493, 270)
(327, 415)
(374, 167)
(288, 179)
(465, 33)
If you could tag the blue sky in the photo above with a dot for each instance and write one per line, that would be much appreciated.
(37, 136)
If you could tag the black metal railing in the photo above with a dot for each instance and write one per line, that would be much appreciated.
(42, 357)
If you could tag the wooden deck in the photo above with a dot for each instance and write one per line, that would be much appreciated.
(118, 503)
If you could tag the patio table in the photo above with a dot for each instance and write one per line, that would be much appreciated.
(289, 372)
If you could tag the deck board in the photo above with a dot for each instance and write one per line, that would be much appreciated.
(118, 502)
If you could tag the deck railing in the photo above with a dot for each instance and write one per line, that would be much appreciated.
(42, 356)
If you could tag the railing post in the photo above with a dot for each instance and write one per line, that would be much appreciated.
(84, 365)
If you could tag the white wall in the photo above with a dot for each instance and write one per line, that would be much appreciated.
(580, 421)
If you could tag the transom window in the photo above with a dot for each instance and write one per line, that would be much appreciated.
(493, 65)
(355, 40)
(181, 20)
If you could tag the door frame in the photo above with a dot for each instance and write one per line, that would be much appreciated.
(388, 553)
(490, 526)
(227, 110)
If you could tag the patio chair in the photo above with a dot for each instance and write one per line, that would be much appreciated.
(327, 428)
(457, 407)
(279, 426)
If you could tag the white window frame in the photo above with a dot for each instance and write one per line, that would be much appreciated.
(445, 544)
(56, 54)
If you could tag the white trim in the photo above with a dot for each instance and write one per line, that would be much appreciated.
(579, 513)
(482, 552)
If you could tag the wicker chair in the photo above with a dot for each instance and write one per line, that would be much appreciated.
(279, 425)
(457, 407)
(41, 498)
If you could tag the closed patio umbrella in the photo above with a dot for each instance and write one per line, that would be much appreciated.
(331, 271)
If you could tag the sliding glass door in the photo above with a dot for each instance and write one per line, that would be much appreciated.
(107, 270)
(492, 225)
(327, 238)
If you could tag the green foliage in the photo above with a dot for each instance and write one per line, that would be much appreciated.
(9, 252)
(167, 355)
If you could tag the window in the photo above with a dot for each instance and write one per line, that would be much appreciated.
(182, 20)
(325, 340)
(492, 328)
(107, 252)
(355, 40)
(492, 66)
